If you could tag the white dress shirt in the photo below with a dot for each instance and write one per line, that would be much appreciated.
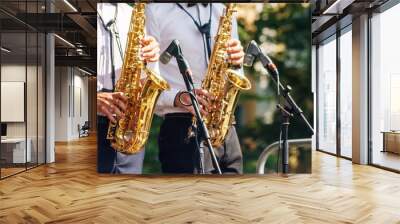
(107, 11)
(166, 22)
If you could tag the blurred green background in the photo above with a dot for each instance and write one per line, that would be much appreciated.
(284, 32)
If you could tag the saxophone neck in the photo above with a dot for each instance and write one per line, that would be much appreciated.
(230, 9)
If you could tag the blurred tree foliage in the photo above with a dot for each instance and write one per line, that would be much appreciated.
(284, 32)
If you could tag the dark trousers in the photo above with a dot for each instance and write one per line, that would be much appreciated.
(178, 154)
(111, 161)
(105, 153)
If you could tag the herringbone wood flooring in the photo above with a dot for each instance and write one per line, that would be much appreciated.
(70, 191)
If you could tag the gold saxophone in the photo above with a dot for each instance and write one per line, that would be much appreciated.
(222, 82)
(130, 133)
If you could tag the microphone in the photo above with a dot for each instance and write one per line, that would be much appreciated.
(253, 51)
(171, 51)
(174, 50)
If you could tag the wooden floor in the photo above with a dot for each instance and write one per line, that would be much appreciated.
(386, 159)
(10, 171)
(70, 191)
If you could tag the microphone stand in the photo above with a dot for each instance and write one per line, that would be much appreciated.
(204, 135)
(288, 110)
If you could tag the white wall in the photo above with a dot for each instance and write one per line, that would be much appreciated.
(61, 103)
(12, 73)
(16, 73)
(33, 126)
(80, 97)
(71, 102)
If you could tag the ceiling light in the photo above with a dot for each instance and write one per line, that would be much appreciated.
(70, 5)
(65, 41)
(5, 50)
(84, 71)
(331, 7)
(337, 7)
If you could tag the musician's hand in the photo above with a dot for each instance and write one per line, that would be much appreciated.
(182, 99)
(150, 49)
(235, 52)
(110, 104)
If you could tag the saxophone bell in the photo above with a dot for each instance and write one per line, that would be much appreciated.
(238, 80)
(130, 133)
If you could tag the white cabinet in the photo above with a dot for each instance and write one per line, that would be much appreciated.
(15, 148)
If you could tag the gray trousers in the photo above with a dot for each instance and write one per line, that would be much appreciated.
(128, 163)
(178, 154)
(111, 161)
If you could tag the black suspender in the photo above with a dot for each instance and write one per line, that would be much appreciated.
(108, 28)
(204, 29)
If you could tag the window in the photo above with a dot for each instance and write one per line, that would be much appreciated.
(385, 87)
(346, 92)
(327, 95)
(22, 77)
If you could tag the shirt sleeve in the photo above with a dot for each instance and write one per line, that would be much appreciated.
(167, 97)
(235, 35)
(100, 75)
(100, 83)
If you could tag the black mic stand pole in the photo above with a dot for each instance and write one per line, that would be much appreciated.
(287, 110)
(286, 115)
(184, 69)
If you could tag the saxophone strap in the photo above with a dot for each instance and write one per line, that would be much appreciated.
(204, 29)
(110, 27)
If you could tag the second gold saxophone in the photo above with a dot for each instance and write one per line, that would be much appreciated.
(222, 82)
(130, 133)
